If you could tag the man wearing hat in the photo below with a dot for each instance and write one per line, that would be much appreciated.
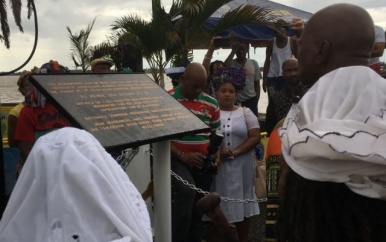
(101, 65)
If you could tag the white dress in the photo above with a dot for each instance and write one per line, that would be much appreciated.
(237, 176)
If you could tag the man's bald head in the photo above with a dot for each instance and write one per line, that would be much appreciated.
(289, 62)
(337, 36)
(195, 70)
(193, 81)
(290, 71)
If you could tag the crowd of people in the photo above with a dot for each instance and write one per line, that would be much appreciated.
(326, 162)
(287, 84)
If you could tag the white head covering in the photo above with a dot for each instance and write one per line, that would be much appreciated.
(71, 189)
(337, 132)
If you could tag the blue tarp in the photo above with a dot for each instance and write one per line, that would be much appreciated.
(255, 32)
(248, 31)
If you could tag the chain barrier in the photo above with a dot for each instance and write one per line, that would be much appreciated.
(225, 199)
(127, 155)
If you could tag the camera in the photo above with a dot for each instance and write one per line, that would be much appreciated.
(210, 167)
(222, 43)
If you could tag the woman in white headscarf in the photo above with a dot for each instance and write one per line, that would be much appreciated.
(71, 189)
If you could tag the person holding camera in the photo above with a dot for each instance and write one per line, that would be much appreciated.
(250, 94)
(211, 67)
(188, 154)
(241, 131)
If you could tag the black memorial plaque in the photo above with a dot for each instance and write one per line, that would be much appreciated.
(120, 110)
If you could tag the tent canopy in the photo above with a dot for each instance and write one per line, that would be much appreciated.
(279, 10)
(256, 34)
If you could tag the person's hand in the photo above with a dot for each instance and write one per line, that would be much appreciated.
(195, 159)
(211, 46)
(226, 153)
(235, 46)
(218, 165)
(265, 85)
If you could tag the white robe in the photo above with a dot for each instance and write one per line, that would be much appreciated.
(71, 189)
(337, 132)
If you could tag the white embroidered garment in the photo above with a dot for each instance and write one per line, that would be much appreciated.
(337, 132)
(71, 189)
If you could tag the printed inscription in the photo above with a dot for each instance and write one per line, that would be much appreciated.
(118, 104)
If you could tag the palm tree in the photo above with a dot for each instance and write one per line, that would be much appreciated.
(81, 51)
(151, 37)
(175, 31)
(16, 10)
(194, 13)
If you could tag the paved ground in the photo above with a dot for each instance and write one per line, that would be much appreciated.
(257, 225)
(256, 230)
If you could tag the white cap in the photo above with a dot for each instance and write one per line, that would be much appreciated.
(101, 61)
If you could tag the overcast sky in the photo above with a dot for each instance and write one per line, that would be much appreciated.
(55, 15)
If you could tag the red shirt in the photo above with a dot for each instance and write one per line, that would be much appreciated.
(34, 121)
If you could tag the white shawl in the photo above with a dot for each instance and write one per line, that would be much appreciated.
(71, 189)
(337, 132)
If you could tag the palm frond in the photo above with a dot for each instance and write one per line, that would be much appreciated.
(207, 8)
(4, 23)
(193, 7)
(80, 47)
(103, 49)
(147, 36)
(29, 8)
(245, 14)
(129, 22)
(175, 9)
(16, 9)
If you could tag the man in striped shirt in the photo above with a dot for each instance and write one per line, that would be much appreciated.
(189, 151)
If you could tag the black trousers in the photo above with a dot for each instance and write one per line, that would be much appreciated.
(187, 225)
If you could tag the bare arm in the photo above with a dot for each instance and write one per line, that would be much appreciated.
(208, 57)
(12, 121)
(192, 158)
(267, 63)
(256, 85)
(294, 43)
(235, 47)
(252, 140)
(25, 148)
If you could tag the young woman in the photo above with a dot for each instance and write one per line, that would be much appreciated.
(237, 163)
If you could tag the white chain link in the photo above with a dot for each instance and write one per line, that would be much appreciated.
(225, 199)
(127, 155)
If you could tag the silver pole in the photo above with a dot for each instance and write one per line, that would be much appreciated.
(162, 192)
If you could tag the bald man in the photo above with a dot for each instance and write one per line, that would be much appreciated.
(189, 152)
(333, 140)
(325, 49)
(281, 95)
(291, 93)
